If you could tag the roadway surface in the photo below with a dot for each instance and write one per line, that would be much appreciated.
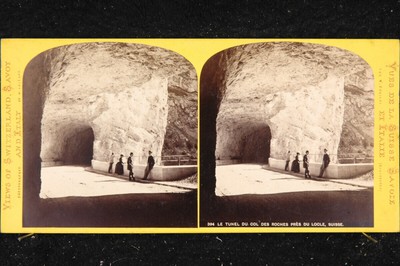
(240, 179)
(70, 181)
(73, 196)
(248, 195)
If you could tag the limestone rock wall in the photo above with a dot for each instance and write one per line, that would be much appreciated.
(358, 124)
(299, 91)
(181, 132)
(122, 92)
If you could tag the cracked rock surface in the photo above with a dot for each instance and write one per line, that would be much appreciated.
(103, 97)
(276, 97)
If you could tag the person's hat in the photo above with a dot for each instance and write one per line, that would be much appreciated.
(150, 152)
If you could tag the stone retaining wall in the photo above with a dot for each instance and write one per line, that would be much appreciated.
(226, 162)
(159, 173)
(334, 171)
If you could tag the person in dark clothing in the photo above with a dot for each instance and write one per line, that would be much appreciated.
(325, 162)
(287, 161)
(119, 167)
(296, 164)
(306, 163)
(150, 164)
(130, 167)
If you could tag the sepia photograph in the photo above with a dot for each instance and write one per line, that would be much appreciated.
(287, 137)
(199, 135)
(110, 137)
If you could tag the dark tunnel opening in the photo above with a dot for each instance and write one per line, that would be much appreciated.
(78, 147)
(256, 145)
(244, 142)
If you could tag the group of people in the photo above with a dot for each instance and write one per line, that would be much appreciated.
(306, 163)
(119, 167)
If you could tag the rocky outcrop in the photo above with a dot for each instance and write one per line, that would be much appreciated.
(181, 131)
(358, 125)
(117, 97)
(297, 96)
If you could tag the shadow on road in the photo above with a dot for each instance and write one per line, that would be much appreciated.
(129, 210)
(352, 208)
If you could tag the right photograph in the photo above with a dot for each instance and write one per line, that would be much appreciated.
(286, 137)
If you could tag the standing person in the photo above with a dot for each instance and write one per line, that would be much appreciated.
(287, 161)
(296, 164)
(150, 164)
(119, 168)
(325, 162)
(130, 167)
(111, 161)
(305, 165)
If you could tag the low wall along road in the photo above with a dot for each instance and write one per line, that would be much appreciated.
(334, 171)
(159, 173)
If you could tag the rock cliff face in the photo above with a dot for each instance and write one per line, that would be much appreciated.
(275, 97)
(119, 97)
(181, 133)
(358, 124)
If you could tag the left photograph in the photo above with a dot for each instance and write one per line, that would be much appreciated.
(110, 137)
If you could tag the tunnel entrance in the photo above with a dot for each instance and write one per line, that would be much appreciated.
(242, 142)
(256, 145)
(78, 147)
